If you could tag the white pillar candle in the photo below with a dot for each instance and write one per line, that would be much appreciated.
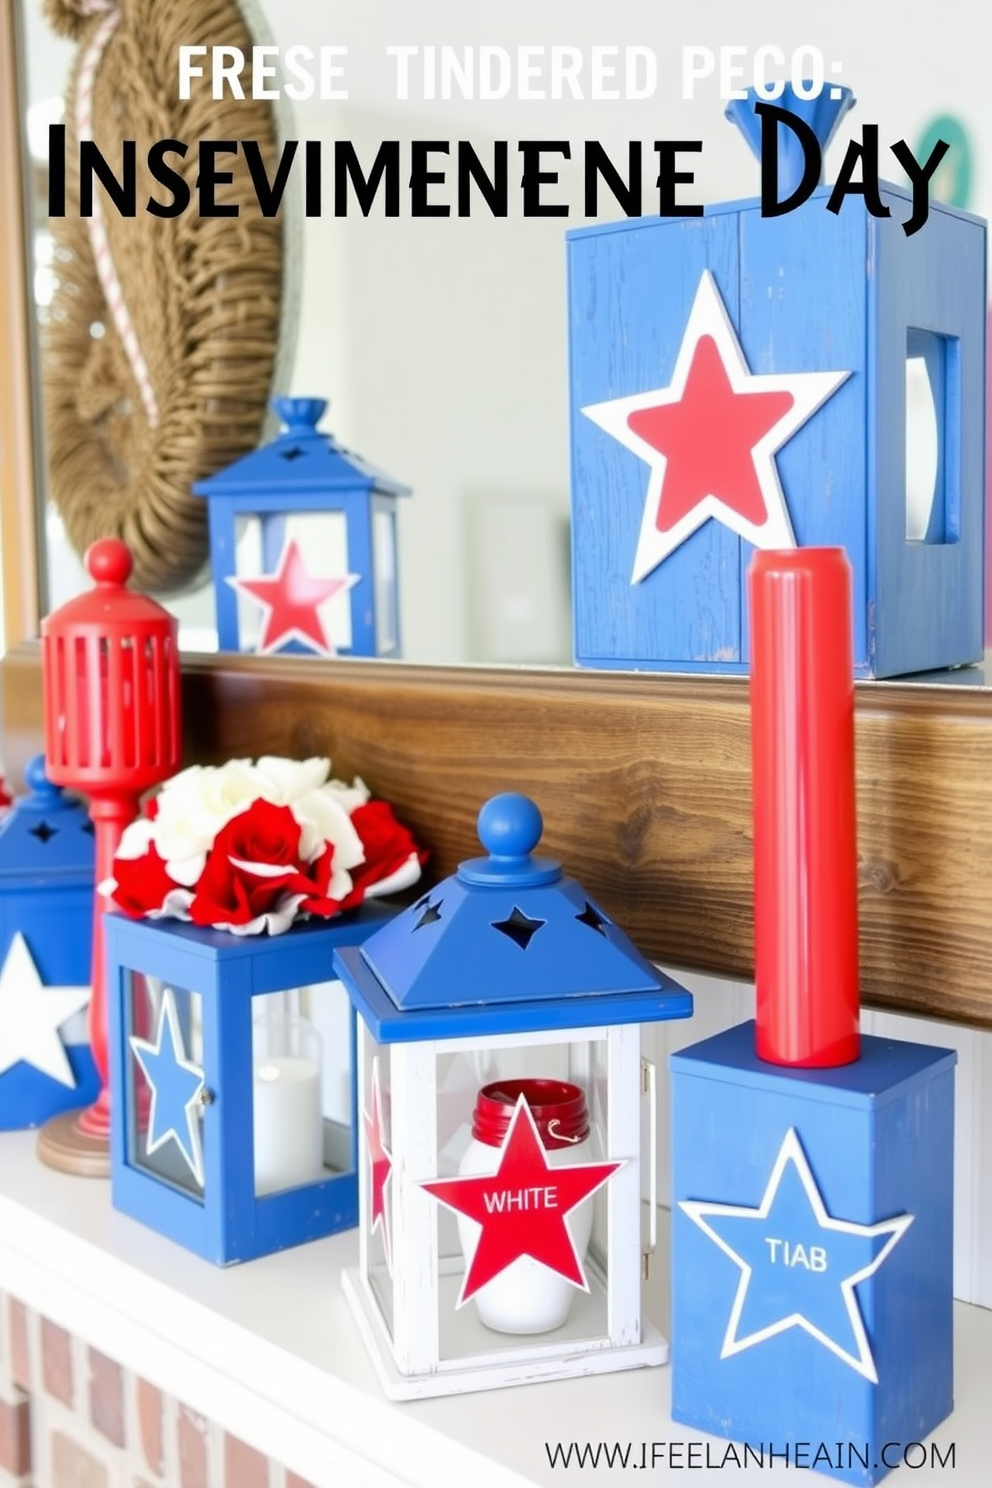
(289, 1126)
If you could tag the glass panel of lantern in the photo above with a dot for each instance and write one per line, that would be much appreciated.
(235, 1135)
(264, 546)
(303, 545)
(500, 1123)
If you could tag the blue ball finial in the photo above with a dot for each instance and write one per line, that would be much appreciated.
(37, 781)
(510, 826)
(300, 415)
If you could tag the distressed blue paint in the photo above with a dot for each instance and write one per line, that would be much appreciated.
(46, 879)
(879, 1138)
(809, 291)
(227, 1223)
(321, 477)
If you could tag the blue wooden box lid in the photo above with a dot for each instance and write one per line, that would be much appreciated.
(886, 1069)
(46, 835)
(507, 942)
(300, 459)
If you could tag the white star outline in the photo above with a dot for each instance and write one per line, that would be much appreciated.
(791, 1151)
(294, 633)
(709, 317)
(31, 1014)
(193, 1155)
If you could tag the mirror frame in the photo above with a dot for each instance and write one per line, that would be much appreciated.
(643, 779)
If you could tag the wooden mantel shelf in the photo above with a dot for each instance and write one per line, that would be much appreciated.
(644, 782)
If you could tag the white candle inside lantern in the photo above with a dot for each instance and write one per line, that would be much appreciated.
(288, 1118)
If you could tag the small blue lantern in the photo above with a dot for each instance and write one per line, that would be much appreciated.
(46, 881)
(231, 1059)
(303, 545)
(501, 1094)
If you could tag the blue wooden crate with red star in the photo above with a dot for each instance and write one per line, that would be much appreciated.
(812, 1251)
(740, 380)
(303, 545)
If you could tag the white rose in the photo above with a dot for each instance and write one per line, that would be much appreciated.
(192, 808)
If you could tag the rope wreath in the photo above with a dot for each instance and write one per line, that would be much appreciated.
(160, 343)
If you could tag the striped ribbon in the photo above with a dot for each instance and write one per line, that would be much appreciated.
(99, 241)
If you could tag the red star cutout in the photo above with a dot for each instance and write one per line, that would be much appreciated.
(697, 464)
(291, 599)
(522, 1207)
(711, 437)
(380, 1164)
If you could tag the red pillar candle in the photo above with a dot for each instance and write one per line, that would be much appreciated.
(805, 846)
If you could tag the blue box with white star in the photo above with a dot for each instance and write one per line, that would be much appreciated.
(812, 1250)
(46, 879)
(232, 1063)
(813, 379)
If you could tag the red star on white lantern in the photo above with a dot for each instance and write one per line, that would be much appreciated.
(380, 1164)
(522, 1207)
(292, 599)
(711, 437)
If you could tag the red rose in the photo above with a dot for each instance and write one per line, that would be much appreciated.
(387, 843)
(142, 883)
(255, 865)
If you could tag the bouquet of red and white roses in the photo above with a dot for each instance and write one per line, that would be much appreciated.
(250, 847)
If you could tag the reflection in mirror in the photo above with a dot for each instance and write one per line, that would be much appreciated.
(441, 341)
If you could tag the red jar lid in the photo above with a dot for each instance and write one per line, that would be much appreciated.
(559, 1110)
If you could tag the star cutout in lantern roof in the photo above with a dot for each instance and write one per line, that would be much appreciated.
(710, 437)
(380, 1164)
(292, 600)
(521, 1208)
(799, 1267)
(31, 1015)
(176, 1084)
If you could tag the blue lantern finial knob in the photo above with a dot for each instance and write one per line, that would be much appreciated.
(38, 782)
(821, 115)
(300, 415)
(510, 826)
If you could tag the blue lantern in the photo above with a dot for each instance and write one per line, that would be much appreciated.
(46, 881)
(231, 1060)
(501, 1088)
(303, 545)
(810, 378)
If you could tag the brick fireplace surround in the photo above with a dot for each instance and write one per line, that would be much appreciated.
(72, 1418)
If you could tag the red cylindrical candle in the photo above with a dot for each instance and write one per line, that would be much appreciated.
(805, 844)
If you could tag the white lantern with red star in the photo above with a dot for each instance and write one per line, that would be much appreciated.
(502, 1094)
(303, 545)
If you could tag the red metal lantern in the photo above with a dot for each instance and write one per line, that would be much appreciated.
(110, 667)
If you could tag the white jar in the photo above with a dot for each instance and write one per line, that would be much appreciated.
(528, 1297)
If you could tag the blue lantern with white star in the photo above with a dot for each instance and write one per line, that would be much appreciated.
(231, 1062)
(502, 1092)
(810, 378)
(46, 879)
(303, 545)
